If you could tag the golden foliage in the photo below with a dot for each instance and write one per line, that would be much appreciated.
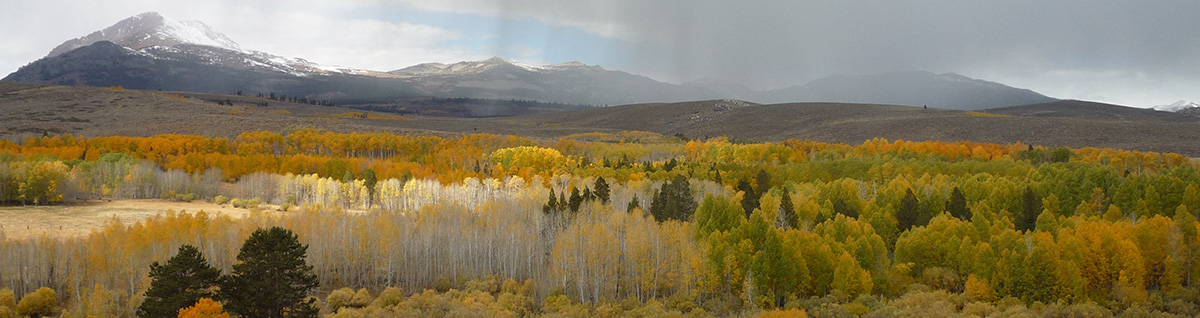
(42, 302)
(972, 113)
(204, 308)
(783, 313)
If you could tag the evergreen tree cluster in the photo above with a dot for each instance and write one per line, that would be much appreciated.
(598, 192)
(270, 280)
(674, 200)
(293, 99)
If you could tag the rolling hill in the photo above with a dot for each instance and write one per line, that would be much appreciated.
(35, 109)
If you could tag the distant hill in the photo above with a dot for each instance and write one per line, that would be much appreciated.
(152, 51)
(1091, 110)
(914, 88)
(1066, 123)
(30, 109)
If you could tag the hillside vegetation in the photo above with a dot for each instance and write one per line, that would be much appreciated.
(628, 224)
(35, 110)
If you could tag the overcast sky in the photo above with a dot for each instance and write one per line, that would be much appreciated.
(1136, 52)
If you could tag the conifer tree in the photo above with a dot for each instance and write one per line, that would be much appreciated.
(1031, 207)
(369, 181)
(551, 204)
(957, 206)
(576, 200)
(749, 197)
(786, 218)
(271, 278)
(602, 191)
(674, 200)
(179, 283)
(907, 215)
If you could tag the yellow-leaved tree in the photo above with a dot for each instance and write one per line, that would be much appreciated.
(204, 308)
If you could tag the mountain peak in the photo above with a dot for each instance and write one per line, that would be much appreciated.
(152, 29)
(1178, 106)
(497, 60)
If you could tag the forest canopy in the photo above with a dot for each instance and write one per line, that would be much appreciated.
(628, 222)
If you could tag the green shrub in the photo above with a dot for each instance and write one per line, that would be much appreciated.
(220, 199)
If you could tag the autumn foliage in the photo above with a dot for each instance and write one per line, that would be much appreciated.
(717, 228)
(204, 308)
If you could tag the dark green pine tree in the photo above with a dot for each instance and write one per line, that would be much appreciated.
(763, 180)
(271, 278)
(787, 218)
(749, 197)
(588, 195)
(907, 215)
(602, 191)
(841, 207)
(178, 284)
(673, 201)
(957, 206)
(551, 203)
(1031, 207)
(576, 200)
(633, 204)
(369, 181)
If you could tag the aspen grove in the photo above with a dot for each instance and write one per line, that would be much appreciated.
(626, 224)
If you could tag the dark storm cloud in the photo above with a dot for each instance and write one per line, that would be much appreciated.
(1133, 52)
(790, 42)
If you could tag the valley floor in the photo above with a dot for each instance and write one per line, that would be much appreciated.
(73, 220)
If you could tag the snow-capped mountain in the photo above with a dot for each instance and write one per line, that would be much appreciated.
(476, 67)
(162, 37)
(1176, 107)
(571, 82)
(152, 29)
(152, 51)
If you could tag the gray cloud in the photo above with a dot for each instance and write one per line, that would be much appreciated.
(1140, 45)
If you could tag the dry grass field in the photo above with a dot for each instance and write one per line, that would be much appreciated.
(20, 222)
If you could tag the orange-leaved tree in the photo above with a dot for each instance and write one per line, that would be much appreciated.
(204, 308)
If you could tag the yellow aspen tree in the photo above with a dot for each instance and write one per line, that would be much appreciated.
(204, 308)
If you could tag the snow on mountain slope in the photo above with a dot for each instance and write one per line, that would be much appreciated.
(1177, 106)
(476, 67)
(152, 29)
(161, 37)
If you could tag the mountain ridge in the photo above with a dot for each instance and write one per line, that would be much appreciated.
(167, 54)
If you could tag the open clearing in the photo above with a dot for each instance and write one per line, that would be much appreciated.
(70, 220)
